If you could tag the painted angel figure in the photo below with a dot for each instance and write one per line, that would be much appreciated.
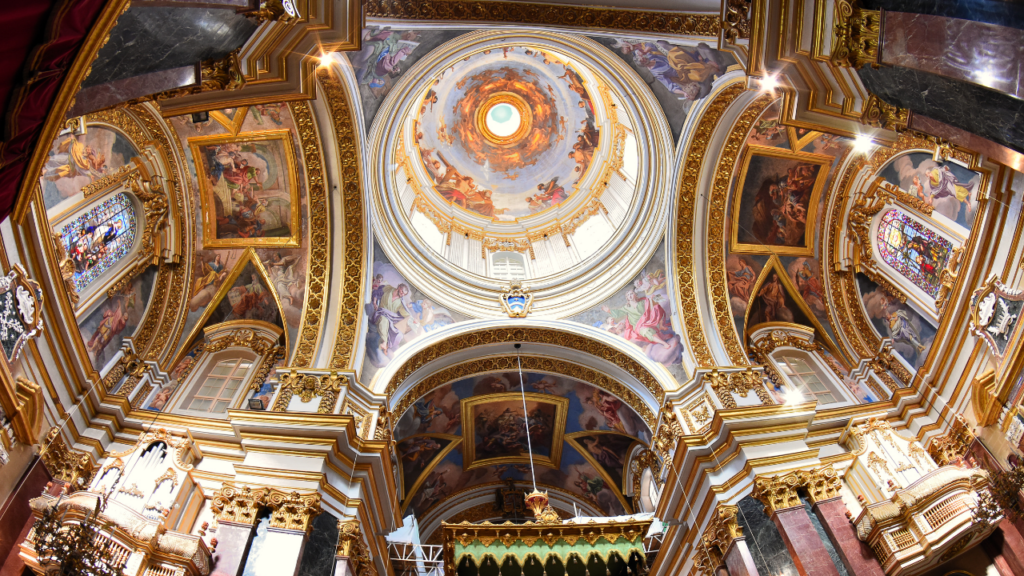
(902, 330)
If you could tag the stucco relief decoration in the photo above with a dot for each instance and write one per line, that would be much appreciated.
(995, 313)
(516, 300)
(21, 303)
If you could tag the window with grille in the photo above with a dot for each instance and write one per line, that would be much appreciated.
(806, 379)
(508, 266)
(220, 385)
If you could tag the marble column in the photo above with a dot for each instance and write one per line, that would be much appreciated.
(236, 508)
(291, 516)
(724, 543)
(233, 541)
(779, 496)
(856, 554)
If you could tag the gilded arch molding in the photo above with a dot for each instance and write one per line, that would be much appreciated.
(686, 219)
(563, 338)
(354, 257)
(505, 363)
(717, 211)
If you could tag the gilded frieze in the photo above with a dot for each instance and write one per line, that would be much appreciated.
(685, 222)
(717, 210)
(319, 237)
(585, 17)
(354, 261)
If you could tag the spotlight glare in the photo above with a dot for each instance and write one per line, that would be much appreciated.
(769, 84)
(793, 396)
(862, 144)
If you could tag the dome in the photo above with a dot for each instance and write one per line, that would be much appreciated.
(507, 157)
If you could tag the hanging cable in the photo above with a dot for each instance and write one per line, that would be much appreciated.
(526, 417)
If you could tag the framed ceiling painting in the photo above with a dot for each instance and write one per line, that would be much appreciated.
(776, 198)
(495, 433)
(248, 189)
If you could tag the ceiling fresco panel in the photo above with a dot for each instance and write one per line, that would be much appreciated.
(77, 160)
(678, 75)
(253, 192)
(950, 189)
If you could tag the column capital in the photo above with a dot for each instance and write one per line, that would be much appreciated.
(722, 529)
(238, 504)
(350, 538)
(779, 492)
(292, 510)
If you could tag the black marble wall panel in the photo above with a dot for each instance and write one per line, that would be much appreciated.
(836, 559)
(970, 107)
(148, 39)
(763, 539)
(1001, 12)
(318, 556)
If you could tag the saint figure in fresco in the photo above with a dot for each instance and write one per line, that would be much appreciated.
(389, 312)
(115, 318)
(380, 61)
(741, 280)
(901, 329)
(641, 320)
(773, 297)
(946, 189)
(809, 285)
(589, 486)
(74, 158)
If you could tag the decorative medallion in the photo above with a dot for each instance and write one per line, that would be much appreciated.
(21, 310)
(516, 300)
(995, 311)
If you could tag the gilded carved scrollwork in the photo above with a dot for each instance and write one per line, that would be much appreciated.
(668, 434)
(685, 222)
(67, 268)
(64, 463)
(349, 304)
(309, 386)
(881, 114)
(855, 35)
(740, 383)
(736, 21)
(644, 460)
(953, 445)
(351, 546)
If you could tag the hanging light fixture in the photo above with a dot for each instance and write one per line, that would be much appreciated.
(79, 549)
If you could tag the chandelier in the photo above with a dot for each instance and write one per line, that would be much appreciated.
(77, 549)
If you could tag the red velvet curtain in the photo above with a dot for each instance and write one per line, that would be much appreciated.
(39, 40)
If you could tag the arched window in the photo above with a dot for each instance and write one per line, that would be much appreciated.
(508, 266)
(912, 249)
(806, 378)
(97, 239)
(218, 389)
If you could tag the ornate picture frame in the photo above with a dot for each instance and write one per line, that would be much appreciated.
(556, 405)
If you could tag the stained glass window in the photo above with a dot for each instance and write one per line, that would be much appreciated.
(97, 239)
(915, 251)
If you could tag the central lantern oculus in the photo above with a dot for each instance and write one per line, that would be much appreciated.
(509, 132)
(503, 120)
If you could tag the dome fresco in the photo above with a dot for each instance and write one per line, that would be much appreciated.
(508, 132)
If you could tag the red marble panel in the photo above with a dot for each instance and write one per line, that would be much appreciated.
(738, 559)
(15, 513)
(963, 138)
(856, 555)
(809, 554)
(975, 52)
